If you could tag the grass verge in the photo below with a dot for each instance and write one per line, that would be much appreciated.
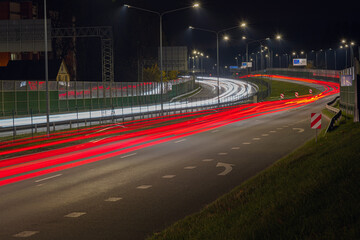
(313, 193)
(288, 89)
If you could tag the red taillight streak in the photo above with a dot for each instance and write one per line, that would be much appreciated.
(181, 129)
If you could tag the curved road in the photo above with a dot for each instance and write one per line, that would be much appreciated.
(132, 195)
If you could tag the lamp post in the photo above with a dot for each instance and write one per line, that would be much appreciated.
(260, 41)
(161, 14)
(46, 73)
(217, 50)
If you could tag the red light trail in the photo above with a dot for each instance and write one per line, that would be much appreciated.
(118, 139)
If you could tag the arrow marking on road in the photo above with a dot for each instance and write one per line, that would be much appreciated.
(227, 166)
(300, 130)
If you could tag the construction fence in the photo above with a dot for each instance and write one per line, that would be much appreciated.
(20, 98)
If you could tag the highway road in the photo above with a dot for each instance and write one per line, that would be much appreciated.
(131, 195)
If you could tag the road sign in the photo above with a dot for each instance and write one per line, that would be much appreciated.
(299, 62)
(296, 94)
(310, 91)
(346, 80)
(315, 122)
(246, 64)
(282, 96)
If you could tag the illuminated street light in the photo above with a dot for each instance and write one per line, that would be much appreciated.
(260, 41)
(195, 5)
(217, 49)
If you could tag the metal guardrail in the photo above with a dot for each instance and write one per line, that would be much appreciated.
(75, 123)
(335, 118)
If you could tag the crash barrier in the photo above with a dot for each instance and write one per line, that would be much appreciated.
(335, 118)
(108, 116)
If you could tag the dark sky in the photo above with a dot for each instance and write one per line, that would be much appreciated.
(304, 25)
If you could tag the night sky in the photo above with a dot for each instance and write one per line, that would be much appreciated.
(304, 25)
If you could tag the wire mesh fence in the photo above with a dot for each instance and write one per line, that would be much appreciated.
(21, 98)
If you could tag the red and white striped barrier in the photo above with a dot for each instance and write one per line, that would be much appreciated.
(315, 121)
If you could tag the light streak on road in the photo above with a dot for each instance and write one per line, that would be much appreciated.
(115, 145)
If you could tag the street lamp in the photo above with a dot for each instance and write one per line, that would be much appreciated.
(217, 49)
(260, 41)
(161, 14)
(46, 72)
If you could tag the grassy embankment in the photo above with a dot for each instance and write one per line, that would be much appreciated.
(288, 89)
(313, 193)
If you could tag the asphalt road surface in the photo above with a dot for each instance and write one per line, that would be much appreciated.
(133, 195)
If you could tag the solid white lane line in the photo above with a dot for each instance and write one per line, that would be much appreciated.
(113, 199)
(47, 178)
(168, 176)
(129, 155)
(75, 214)
(144, 187)
(25, 234)
(181, 140)
(190, 167)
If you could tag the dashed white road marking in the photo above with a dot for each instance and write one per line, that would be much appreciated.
(97, 140)
(189, 167)
(47, 178)
(256, 139)
(235, 148)
(222, 153)
(168, 176)
(265, 135)
(208, 160)
(181, 140)
(272, 131)
(104, 129)
(279, 128)
(246, 143)
(113, 199)
(25, 234)
(129, 155)
(75, 214)
(144, 186)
